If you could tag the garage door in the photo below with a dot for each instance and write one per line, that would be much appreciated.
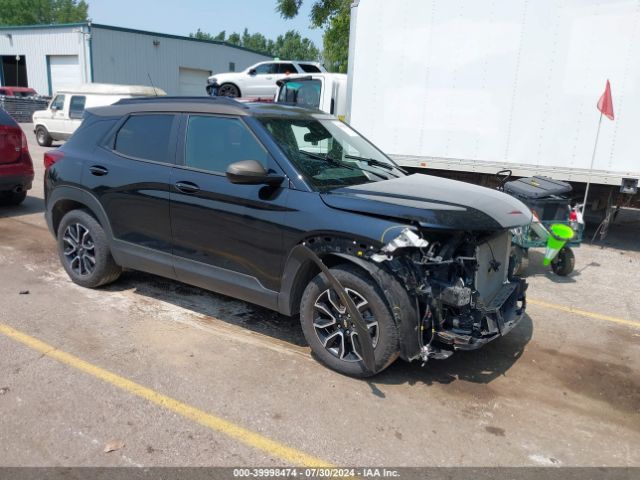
(64, 71)
(193, 81)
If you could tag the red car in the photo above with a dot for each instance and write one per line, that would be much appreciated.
(16, 167)
(18, 91)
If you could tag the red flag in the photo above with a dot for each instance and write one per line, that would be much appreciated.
(605, 104)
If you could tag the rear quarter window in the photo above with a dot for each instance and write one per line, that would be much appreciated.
(308, 68)
(146, 137)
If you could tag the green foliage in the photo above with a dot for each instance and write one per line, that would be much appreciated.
(290, 46)
(331, 15)
(38, 12)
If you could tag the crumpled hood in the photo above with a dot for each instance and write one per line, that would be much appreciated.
(433, 202)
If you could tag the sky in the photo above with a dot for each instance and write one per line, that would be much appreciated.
(182, 17)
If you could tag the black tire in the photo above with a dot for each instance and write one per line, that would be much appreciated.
(11, 199)
(564, 263)
(386, 346)
(42, 137)
(518, 261)
(228, 90)
(94, 244)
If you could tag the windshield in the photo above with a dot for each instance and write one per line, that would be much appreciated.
(328, 153)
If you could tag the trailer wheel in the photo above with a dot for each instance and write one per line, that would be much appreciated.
(564, 263)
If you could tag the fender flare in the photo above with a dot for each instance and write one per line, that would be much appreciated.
(402, 306)
(75, 194)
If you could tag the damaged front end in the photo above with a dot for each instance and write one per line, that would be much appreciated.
(464, 291)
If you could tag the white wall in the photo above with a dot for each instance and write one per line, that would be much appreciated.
(36, 43)
(130, 57)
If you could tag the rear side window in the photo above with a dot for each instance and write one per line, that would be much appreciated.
(307, 67)
(287, 68)
(213, 143)
(76, 106)
(146, 137)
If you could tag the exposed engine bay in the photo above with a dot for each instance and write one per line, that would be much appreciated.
(460, 282)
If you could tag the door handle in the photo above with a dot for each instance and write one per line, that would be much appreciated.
(98, 171)
(187, 187)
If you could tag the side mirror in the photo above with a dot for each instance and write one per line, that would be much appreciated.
(54, 108)
(251, 172)
(252, 71)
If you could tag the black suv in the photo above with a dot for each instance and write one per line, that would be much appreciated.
(293, 210)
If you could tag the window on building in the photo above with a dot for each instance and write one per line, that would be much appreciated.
(213, 143)
(146, 137)
(232, 66)
(76, 106)
(57, 103)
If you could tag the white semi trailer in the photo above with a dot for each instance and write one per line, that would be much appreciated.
(466, 88)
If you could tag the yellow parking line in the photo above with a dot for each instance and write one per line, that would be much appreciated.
(290, 455)
(584, 313)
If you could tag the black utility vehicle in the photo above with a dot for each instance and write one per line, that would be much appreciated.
(293, 210)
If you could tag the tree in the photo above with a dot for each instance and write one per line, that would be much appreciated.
(333, 16)
(290, 46)
(38, 12)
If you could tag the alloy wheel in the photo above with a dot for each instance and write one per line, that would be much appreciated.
(79, 249)
(334, 326)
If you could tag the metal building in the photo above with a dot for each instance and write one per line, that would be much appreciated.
(49, 57)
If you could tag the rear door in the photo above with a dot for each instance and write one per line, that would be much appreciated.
(227, 237)
(130, 176)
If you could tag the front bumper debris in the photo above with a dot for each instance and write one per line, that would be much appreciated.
(501, 315)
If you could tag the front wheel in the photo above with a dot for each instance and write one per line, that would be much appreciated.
(84, 250)
(42, 137)
(228, 90)
(564, 263)
(328, 328)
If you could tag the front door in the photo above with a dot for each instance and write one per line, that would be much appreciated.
(226, 237)
(58, 115)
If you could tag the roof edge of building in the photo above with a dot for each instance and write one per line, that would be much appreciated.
(129, 30)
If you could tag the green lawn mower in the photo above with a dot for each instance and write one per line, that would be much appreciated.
(556, 226)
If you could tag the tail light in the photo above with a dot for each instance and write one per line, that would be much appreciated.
(573, 216)
(52, 157)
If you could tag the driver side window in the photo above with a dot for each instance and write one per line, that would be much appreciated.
(266, 69)
(58, 103)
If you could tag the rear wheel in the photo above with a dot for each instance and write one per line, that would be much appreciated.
(228, 90)
(84, 250)
(42, 137)
(328, 328)
(12, 198)
(564, 263)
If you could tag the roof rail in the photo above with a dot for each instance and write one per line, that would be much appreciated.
(168, 99)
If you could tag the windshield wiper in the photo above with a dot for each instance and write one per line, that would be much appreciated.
(374, 162)
(329, 159)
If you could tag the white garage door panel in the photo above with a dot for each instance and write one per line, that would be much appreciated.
(64, 71)
(193, 81)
